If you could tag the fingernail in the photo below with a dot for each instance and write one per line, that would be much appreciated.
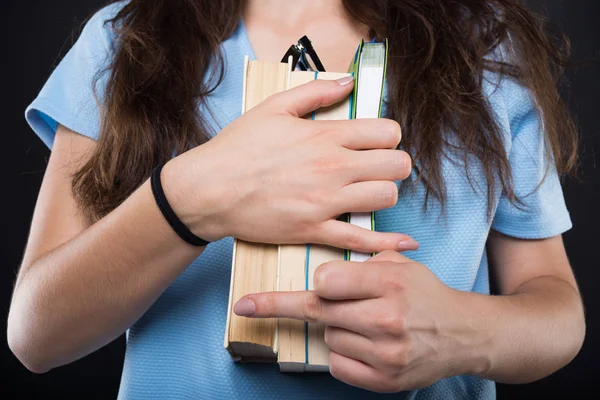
(244, 308)
(345, 80)
(408, 244)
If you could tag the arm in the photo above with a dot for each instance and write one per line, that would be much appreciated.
(537, 325)
(80, 287)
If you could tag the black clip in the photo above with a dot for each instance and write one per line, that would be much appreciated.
(299, 51)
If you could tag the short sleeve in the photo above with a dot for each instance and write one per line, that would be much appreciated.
(67, 97)
(543, 212)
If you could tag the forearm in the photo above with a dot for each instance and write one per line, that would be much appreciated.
(87, 292)
(527, 335)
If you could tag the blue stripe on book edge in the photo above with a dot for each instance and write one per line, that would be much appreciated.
(306, 286)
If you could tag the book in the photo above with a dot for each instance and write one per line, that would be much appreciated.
(369, 68)
(296, 346)
(254, 265)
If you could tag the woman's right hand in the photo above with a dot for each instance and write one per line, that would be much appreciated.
(273, 177)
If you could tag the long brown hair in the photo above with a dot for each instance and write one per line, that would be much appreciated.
(438, 51)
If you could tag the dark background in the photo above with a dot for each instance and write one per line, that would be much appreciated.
(36, 34)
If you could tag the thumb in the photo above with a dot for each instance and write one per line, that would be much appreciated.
(310, 96)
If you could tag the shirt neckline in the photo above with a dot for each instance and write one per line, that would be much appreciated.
(243, 34)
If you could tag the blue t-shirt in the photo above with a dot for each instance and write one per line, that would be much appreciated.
(175, 351)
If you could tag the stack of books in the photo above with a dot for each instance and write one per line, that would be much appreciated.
(296, 346)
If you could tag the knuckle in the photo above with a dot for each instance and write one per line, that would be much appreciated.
(319, 101)
(386, 381)
(268, 303)
(320, 278)
(316, 196)
(353, 241)
(394, 280)
(320, 130)
(397, 357)
(329, 163)
(384, 357)
(323, 275)
(403, 354)
(272, 100)
(320, 232)
(389, 255)
(351, 129)
(393, 323)
(307, 228)
(321, 86)
(312, 307)
(392, 284)
(334, 365)
(330, 130)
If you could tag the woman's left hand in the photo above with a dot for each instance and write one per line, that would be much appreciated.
(392, 325)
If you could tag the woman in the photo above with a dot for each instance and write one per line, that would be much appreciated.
(150, 82)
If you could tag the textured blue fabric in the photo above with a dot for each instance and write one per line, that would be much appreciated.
(175, 351)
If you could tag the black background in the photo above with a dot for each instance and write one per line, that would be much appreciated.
(35, 35)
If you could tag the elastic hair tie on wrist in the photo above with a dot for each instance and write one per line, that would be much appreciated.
(166, 210)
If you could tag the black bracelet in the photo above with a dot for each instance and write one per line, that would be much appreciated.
(166, 210)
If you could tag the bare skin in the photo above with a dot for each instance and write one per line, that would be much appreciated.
(80, 286)
(425, 330)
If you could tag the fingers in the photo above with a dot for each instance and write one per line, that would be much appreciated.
(379, 164)
(351, 344)
(366, 196)
(300, 305)
(350, 280)
(307, 306)
(347, 280)
(344, 235)
(357, 373)
(310, 96)
(363, 134)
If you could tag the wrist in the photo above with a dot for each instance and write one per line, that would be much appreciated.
(470, 344)
(192, 200)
